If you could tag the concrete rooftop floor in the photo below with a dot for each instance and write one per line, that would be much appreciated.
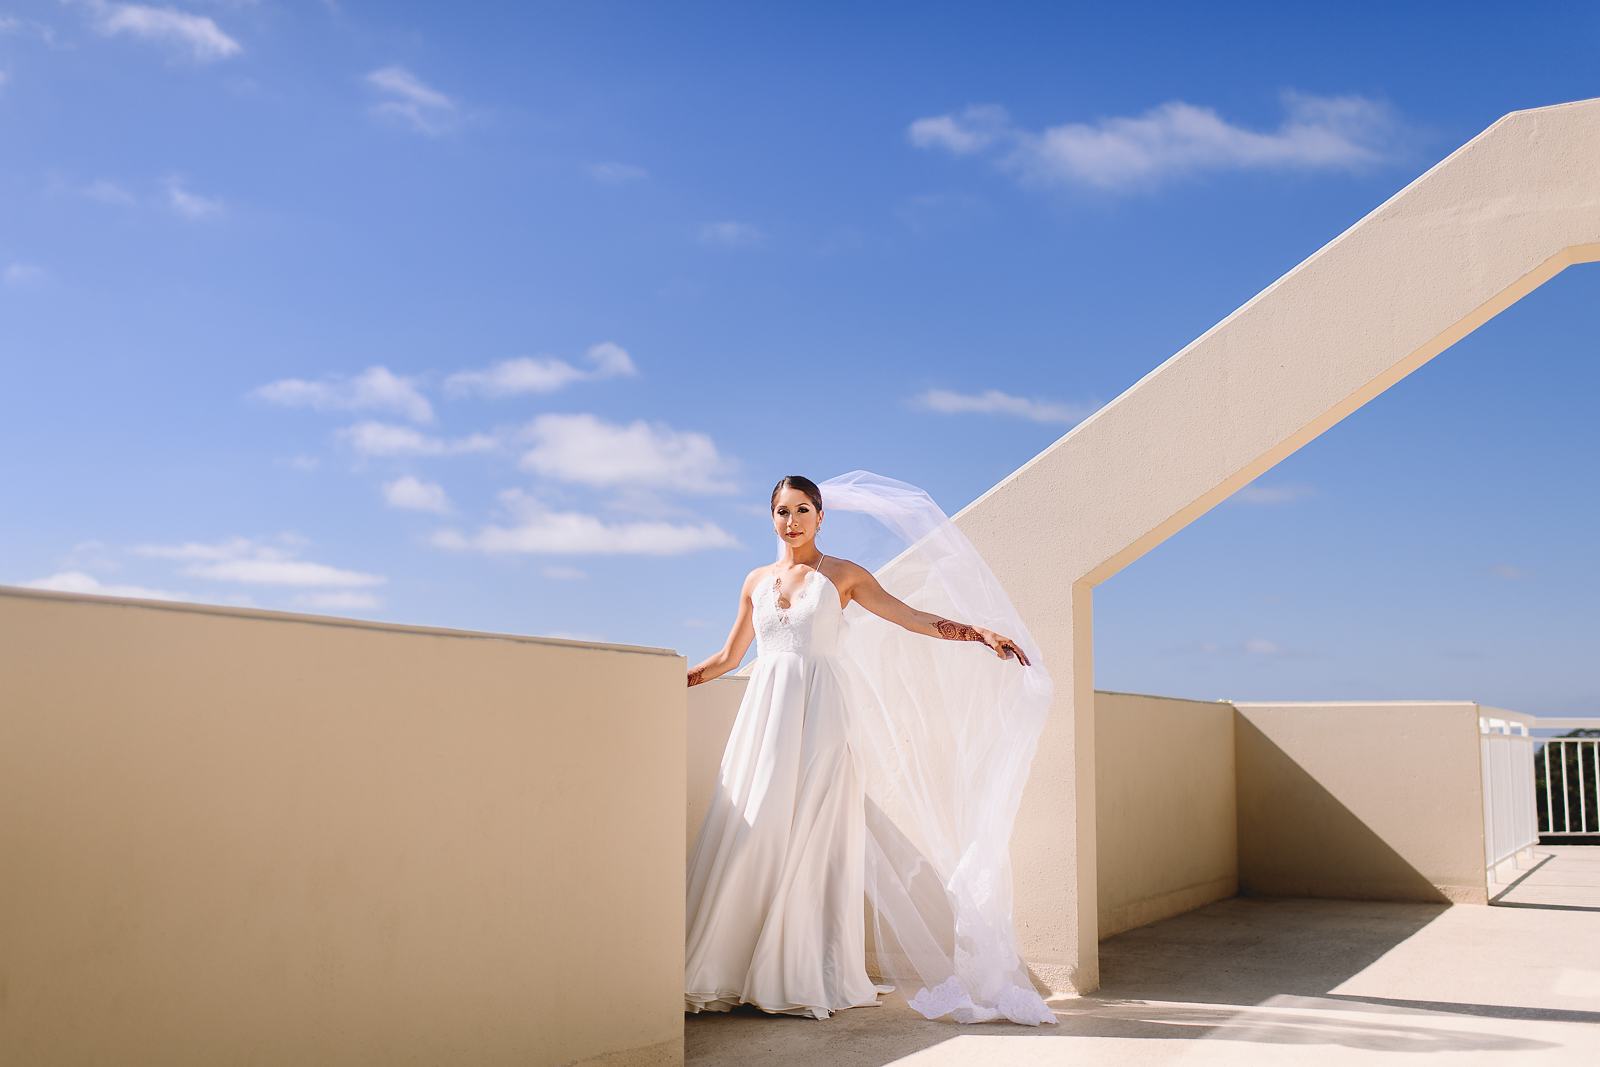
(1269, 981)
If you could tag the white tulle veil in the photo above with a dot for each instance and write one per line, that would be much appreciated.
(943, 734)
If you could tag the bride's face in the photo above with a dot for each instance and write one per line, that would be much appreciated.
(794, 517)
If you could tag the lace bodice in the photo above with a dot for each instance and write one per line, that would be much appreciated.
(809, 626)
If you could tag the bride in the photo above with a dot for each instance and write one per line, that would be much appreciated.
(867, 765)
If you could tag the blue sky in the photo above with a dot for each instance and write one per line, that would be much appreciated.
(507, 317)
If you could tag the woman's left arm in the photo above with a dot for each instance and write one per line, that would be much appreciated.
(875, 598)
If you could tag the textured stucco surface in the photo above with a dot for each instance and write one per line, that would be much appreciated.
(241, 837)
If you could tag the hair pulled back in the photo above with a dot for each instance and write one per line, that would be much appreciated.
(800, 482)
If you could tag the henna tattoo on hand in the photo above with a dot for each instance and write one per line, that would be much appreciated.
(956, 631)
(697, 676)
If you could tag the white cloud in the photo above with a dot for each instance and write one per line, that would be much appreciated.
(973, 129)
(342, 601)
(387, 439)
(22, 273)
(413, 494)
(1260, 646)
(281, 572)
(189, 204)
(251, 562)
(994, 402)
(200, 36)
(1274, 494)
(540, 530)
(543, 374)
(411, 100)
(80, 582)
(1172, 139)
(590, 451)
(731, 234)
(374, 389)
(617, 173)
(233, 548)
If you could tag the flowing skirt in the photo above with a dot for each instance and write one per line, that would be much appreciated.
(775, 896)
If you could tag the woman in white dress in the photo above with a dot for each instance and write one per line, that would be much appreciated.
(794, 840)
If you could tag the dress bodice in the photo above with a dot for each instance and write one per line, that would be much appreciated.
(809, 626)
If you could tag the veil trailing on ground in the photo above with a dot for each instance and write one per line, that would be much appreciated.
(943, 734)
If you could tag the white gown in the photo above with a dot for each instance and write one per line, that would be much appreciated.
(775, 884)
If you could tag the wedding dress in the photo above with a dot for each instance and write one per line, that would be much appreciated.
(869, 786)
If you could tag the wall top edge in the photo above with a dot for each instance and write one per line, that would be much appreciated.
(1157, 696)
(1353, 703)
(264, 615)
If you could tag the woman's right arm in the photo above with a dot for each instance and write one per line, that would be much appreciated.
(737, 644)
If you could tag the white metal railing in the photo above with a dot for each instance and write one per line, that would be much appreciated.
(1568, 793)
(1510, 823)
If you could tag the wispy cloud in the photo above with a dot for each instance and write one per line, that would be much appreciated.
(18, 273)
(83, 582)
(1508, 572)
(543, 374)
(387, 439)
(617, 173)
(250, 562)
(1175, 138)
(729, 234)
(411, 100)
(564, 574)
(538, 530)
(994, 402)
(19, 27)
(1285, 493)
(375, 389)
(590, 451)
(963, 133)
(190, 204)
(409, 493)
(197, 35)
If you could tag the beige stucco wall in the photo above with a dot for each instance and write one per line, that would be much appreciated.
(1165, 818)
(1378, 801)
(244, 837)
(712, 707)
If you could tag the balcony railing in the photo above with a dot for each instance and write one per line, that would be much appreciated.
(1568, 790)
(1509, 821)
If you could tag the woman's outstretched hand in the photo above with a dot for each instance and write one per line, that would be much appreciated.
(1003, 646)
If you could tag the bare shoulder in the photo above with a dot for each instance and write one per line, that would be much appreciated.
(750, 581)
(845, 573)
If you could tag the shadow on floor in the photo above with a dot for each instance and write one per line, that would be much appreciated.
(1258, 973)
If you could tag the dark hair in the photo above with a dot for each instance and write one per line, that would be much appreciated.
(796, 481)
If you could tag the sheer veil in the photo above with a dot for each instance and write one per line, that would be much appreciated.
(943, 735)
